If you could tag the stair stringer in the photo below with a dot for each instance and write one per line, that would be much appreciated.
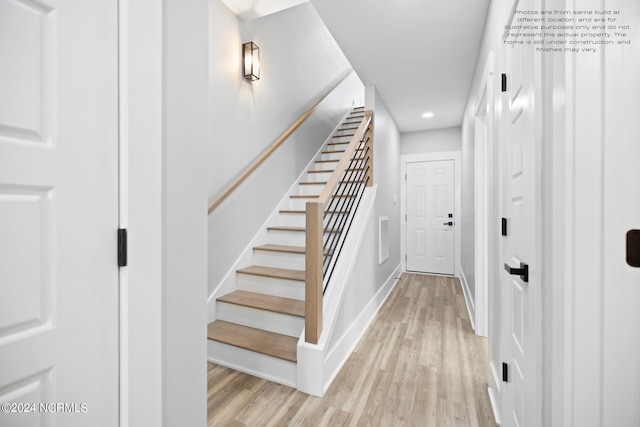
(318, 364)
(229, 283)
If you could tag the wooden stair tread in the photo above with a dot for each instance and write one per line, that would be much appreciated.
(333, 151)
(266, 302)
(282, 248)
(291, 228)
(321, 171)
(277, 273)
(342, 136)
(328, 161)
(315, 196)
(313, 183)
(287, 249)
(264, 342)
(301, 211)
(350, 181)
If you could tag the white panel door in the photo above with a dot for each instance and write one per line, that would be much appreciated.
(58, 213)
(522, 312)
(621, 284)
(430, 217)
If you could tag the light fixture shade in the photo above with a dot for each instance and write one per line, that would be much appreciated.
(251, 60)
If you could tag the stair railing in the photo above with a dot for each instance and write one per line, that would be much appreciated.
(329, 217)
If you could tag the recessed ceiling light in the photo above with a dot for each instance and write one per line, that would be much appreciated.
(427, 115)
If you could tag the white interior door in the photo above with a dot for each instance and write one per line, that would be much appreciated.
(58, 213)
(430, 194)
(522, 311)
(621, 228)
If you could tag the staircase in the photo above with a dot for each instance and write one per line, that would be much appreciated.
(258, 325)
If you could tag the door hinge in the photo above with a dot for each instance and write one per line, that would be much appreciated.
(505, 372)
(405, 217)
(122, 247)
(504, 82)
(405, 176)
(633, 248)
(504, 226)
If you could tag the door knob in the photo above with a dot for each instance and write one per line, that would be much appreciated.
(523, 271)
(448, 223)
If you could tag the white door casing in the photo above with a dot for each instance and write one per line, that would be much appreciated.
(58, 212)
(486, 208)
(621, 213)
(430, 189)
(521, 310)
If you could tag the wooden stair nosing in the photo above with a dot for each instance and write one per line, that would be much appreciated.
(257, 340)
(292, 307)
(281, 248)
(351, 181)
(315, 196)
(288, 249)
(328, 161)
(321, 171)
(276, 273)
(343, 136)
(300, 211)
(332, 151)
(297, 229)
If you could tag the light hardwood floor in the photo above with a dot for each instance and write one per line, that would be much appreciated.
(419, 364)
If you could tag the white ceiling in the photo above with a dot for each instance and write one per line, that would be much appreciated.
(420, 54)
(252, 9)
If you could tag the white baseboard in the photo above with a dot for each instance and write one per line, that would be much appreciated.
(345, 345)
(467, 298)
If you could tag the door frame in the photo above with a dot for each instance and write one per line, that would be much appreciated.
(486, 188)
(163, 204)
(431, 157)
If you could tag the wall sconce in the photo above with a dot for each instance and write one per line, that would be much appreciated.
(251, 57)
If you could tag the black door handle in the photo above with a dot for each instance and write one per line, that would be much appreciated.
(523, 271)
(450, 223)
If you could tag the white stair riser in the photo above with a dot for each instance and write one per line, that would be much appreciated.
(331, 156)
(271, 286)
(326, 165)
(315, 177)
(278, 259)
(259, 365)
(348, 133)
(292, 219)
(293, 238)
(310, 189)
(261, 319)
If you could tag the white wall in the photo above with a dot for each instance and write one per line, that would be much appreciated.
(184, 212)
(386, 173)
(299, 61)
(431, 141)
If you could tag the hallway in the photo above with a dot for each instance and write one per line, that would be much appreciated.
(419, 364)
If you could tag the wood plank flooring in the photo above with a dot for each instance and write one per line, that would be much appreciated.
(419, 364)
